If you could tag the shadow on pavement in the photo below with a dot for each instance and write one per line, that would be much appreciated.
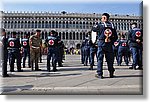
(7, 89)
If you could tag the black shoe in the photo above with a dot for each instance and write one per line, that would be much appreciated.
(130, 67)
(60, 65)
(111, 75)
(37, 69)
(20, 70)
(6, 75)
(54, 70)
(139, 68)
(99, 76)
(12, 71)
(91, 67)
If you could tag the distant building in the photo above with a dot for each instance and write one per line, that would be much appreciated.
(72, 27)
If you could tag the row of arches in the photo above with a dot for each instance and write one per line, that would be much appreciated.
(60, 24)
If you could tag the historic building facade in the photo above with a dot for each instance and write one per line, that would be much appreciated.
(72, 27)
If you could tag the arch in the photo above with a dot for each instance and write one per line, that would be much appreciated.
(60, 35)
(63, 36)
(29, 24)
(63, 24)
(81, 36)
(77, 25)
(74, 36)
(32, 24)
(39, 24)
(77, 36)
(70, 36)
(80, 25)
(67, 37)
(67, 26)
(56, 24)
(70, 24)
(83, 25)
(87, 25)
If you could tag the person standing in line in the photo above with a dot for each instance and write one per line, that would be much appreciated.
(26, 50)
(35, 44)
(4, 52)
(14, 48)
(135, 36)
(107, 35)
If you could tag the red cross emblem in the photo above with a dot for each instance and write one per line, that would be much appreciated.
(138, 34)
(24, 43)
(124, 44)
(51, 42)
(108, 32)
(11, 44)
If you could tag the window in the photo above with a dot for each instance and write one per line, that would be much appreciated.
(70, 35)
(66, 35)
(63, 37)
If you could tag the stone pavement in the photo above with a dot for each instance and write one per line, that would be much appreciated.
(73, 78)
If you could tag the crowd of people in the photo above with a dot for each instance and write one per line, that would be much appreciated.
(107, 43)
(15, 49)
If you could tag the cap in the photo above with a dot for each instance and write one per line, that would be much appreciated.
(53, 31)
(106, 14)
(38, 30)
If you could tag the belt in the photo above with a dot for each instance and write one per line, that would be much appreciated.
(35, 47)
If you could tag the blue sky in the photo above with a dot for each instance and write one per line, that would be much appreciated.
(96, 6)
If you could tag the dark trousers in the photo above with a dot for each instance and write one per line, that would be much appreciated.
(4, 62)
(108, 51)
(26, 53)
(87, 55)
(123, 52)
(60, 56)
(14, 54)
(82, 55)
(52, 53)
(92, 54)
(136, 56)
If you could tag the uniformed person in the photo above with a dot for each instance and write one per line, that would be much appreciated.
(26, 50)
(52, 43)
(92, 54)
(115, 48)
(14, 48)
(82, 52)
(35, 44)
(4, 52)
(60, 51)
(107, 35)
(40, 59)
(123, 50)
(135, 37)
(87, 49)
(93, 51)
